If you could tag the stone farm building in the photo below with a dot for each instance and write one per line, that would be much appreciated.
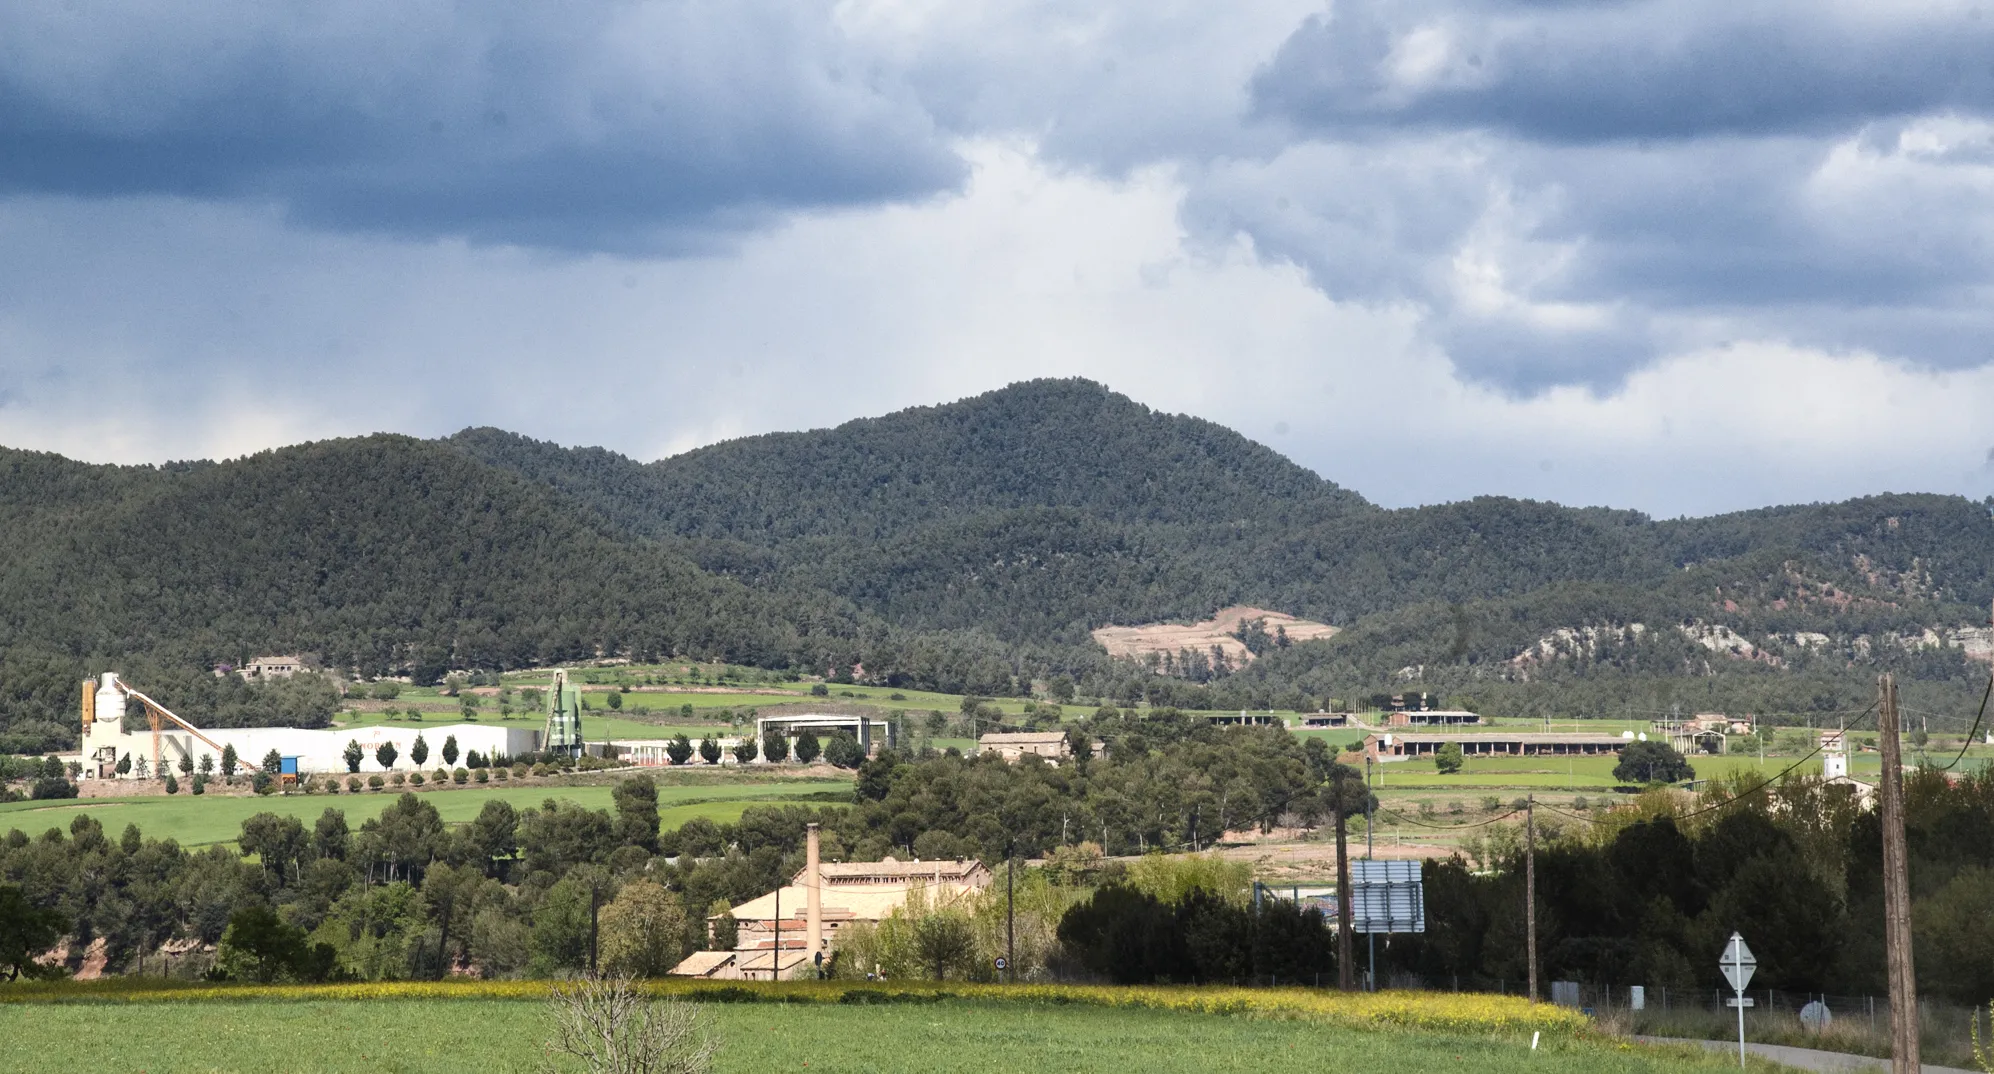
(806, 915)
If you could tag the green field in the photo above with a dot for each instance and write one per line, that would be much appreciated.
(503, 1037)
(217, 819)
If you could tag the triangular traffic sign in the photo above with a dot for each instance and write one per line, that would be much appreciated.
(1738, 963)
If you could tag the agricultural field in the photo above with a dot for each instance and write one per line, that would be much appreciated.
(495, 1036)
(218, 819)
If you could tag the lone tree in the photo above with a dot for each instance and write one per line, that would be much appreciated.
(807, 747)
(273, 763)
(354, 755)
(1448, 758)
(1651, 762)
(229, 761)
(419, 752)
(450, 749)
(745, 751)
(775, 747)
(680, 750)
(844, 751)
(709, 750)
(386, 754)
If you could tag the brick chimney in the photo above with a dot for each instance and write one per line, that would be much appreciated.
(813, 885)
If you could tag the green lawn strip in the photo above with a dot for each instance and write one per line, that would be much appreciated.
(483, 1036)
(216, 819)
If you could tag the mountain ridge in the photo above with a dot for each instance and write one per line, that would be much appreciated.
(971, 546)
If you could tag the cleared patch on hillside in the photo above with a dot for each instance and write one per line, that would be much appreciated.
(1222, 630)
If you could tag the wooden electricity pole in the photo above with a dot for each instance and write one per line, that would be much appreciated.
(1345, 972)
(1896, 887)
(1530, 888)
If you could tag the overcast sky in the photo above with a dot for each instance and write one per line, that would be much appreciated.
(1683, 257)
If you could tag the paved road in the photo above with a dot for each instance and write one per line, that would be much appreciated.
(1805, 1058)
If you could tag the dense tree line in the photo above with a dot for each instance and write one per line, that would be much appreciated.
(1638, 895)
(1645, 898)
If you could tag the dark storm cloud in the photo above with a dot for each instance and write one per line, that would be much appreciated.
(1617, 71)
(590, 124)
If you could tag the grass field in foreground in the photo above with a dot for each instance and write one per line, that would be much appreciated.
(953, 1037)
(215, 819)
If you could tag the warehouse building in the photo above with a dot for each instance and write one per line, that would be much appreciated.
(167, 738)
(1389, 747)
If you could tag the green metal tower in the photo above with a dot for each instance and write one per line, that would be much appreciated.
(564, 716)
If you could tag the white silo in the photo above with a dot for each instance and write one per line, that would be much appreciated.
(110, 707)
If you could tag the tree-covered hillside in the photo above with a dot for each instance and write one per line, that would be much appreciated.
(969, 547)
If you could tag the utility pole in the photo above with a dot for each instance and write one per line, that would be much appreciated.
(1370, 937)
(1530, 887)
(1896, 887)
(1010, 917)
(775, 960)
(1345, 975)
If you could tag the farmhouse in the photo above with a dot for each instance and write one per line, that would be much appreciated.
(1015, 745)
(273, 667)
(1382, 747)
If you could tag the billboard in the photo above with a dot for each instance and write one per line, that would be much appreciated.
(1385, 896)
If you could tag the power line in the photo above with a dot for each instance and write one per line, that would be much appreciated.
(1976, 725)
(1451, 827)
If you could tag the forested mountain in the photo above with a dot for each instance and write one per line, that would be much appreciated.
(969, 547)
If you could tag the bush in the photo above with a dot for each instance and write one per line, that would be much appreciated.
(820, 690)
(375, 782)
(521, 771)
(502, 773)
(460, 775)
(1651, 762)
(484, 775)
(844, 751)
(397, 778)
(613, 1027)
(262, 783)
(332, 786)
(540, 770)
(439, 776)
(353, 784)
(415, 778)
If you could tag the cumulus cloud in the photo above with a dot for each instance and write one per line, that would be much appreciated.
(1574, 192)
(590, 125)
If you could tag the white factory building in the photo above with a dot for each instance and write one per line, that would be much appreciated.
(105, 741)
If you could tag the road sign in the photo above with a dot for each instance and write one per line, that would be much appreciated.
(1741, 1001)
(1738, 963)
(1386, 896)
(1002, 964)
